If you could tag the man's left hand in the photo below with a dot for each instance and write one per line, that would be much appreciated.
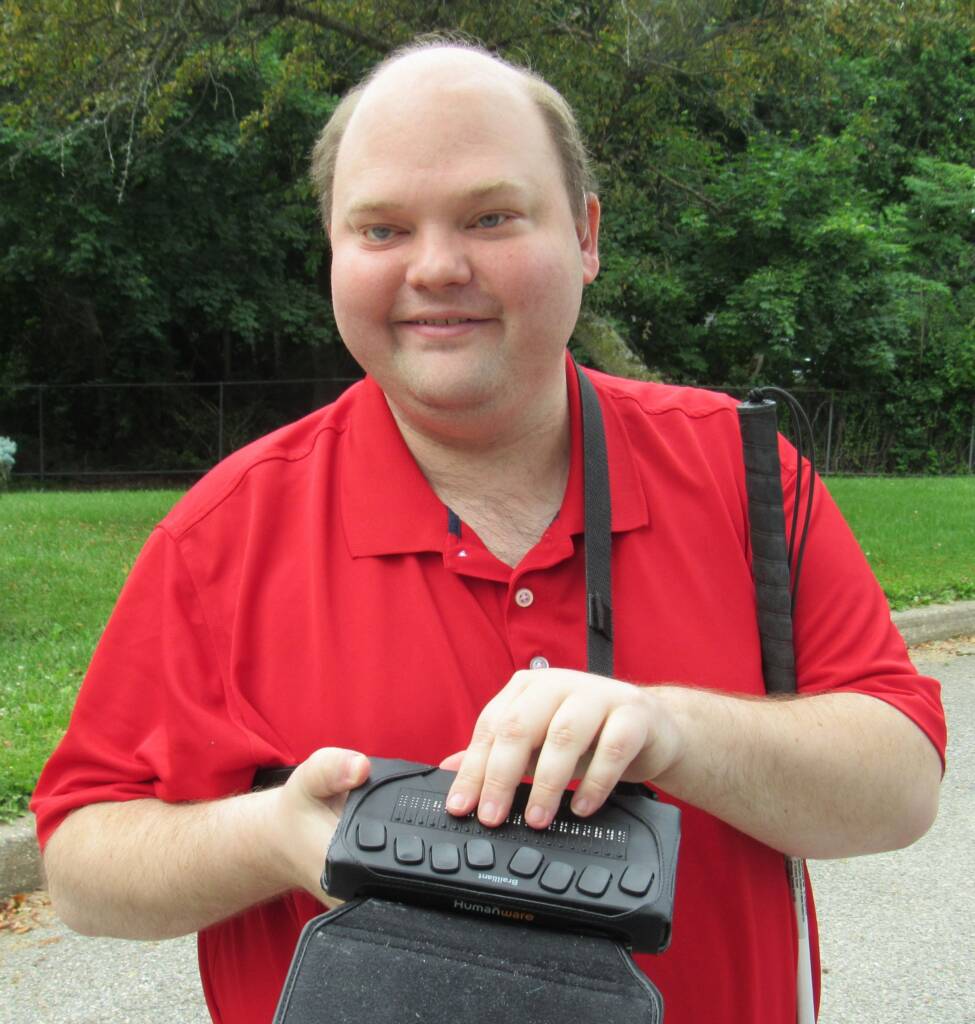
(558, 725)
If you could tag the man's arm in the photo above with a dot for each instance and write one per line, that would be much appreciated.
(828, 775)
(149, 870)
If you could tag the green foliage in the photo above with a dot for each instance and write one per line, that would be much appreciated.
(213, 250)
(787, 187)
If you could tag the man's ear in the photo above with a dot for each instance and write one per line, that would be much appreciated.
(588, 233)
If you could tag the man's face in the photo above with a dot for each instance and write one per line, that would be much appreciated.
(457, 266)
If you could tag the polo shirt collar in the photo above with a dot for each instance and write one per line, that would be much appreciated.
(389, 508)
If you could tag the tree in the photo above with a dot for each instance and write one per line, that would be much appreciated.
(783, 182)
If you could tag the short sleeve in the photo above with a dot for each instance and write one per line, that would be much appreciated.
(151, 719)
(845, 639)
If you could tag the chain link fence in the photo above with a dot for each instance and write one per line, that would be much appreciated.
(146, 434)
(172, 433)
(868, 433)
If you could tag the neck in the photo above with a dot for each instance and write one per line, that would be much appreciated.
(506, 484)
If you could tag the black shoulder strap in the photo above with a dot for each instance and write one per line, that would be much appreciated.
(599, 536)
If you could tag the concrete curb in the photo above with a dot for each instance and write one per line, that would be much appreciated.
(20, 863)
(936, 622)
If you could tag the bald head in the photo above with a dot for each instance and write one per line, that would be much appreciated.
(431, 72)
(445, 66)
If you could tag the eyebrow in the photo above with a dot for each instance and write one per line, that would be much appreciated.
(479, 191)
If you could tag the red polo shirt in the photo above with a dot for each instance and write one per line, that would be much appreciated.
(313, 591)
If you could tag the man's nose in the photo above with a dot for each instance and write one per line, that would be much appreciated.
(438, 259)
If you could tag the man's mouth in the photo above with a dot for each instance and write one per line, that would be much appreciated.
(446, 322)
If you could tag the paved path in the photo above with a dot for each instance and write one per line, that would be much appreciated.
(898, 929)
(898, 933)
(50, 975)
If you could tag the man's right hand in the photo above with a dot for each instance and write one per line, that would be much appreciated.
(309, 806)
(144, 869)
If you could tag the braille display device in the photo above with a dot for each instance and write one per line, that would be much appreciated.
(611, 873)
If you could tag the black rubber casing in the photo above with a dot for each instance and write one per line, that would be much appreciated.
(395, 839)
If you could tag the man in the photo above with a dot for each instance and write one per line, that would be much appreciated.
(401, 574)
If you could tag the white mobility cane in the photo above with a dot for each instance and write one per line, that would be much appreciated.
(775, 600)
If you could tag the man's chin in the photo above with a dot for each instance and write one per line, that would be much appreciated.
(456, 400)
(450, 402)
(451, 386)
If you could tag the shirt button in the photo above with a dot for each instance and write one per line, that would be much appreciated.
(524, 597)
(538, 662)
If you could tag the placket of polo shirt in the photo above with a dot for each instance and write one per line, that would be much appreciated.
(550, 623)
(465, 554)
(543, 610)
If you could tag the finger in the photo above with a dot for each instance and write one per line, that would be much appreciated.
(452, 763)
(520, 732)
(331, 771)
(622, 739)
(571, 733)
(465, 792)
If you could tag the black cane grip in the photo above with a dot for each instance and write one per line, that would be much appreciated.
(770, 560)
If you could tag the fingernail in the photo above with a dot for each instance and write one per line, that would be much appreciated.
(353, 767)
(488, 811)
(536, 816)
(581, 807)
(456, 803)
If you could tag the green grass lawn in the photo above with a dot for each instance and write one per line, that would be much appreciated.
(918, 534)
(64, 556)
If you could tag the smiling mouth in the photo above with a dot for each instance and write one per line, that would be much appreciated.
(447, 321)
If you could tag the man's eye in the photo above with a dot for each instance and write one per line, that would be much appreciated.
(491, 220)
(378, 233)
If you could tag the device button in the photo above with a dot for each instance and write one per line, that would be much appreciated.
(409, 849)
(445, 858)
(525, 862)
(594, 881)
(557, 877)
(371, 835)
(636, 880)
(480, 853)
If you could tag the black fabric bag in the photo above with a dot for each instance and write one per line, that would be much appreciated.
(376, 961)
